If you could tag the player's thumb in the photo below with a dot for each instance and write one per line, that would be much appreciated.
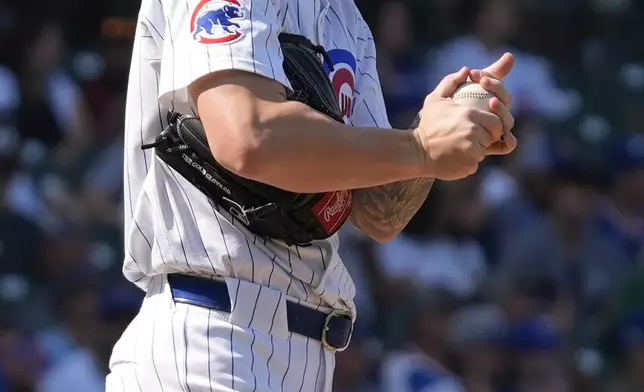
(502, 67)
(450, 83)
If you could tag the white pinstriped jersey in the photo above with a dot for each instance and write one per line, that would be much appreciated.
(170, 226)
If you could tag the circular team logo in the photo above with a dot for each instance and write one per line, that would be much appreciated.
(343, 78)
(213, 22)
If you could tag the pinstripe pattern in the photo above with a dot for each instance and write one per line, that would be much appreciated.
(172, 227)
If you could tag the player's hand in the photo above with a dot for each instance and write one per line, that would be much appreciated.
(454, 138)
(490, 79)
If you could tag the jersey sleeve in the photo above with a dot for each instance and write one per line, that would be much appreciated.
(369, 107)
(206, 36)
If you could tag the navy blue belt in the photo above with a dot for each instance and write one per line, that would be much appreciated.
(332, 329)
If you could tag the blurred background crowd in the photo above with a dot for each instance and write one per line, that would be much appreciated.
(528, 277)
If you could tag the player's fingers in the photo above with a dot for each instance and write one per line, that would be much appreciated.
(504, 146)
(476, 151)
(490, 121)
(504, 114)
(496, 87)
(502, 67)
(450, 83)
(492, 84)
(511, 142)
(482, 137)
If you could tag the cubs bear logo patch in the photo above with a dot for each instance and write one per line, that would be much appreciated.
(215, 22)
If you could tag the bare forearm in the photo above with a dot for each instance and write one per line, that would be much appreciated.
(307, 152)
(383, 211)
(259, 135)
(301, 150)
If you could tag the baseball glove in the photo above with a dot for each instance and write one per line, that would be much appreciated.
(293, 218)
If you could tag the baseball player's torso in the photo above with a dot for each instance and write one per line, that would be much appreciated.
(170, 225)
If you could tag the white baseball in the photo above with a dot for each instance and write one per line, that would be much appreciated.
(473, 94)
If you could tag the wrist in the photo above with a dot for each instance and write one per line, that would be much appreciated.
(425, 166)
(407, 153)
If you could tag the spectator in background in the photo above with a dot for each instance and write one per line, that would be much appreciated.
(51, 110)
(399, 66)
(492, 28)
(102, 188)
(622, 214)
(501, 183)
(354, 367)
(438, 248)
(564, 246)
(22, 244)
(21, 362)
(424, 364)
(106, 91)
(9, 89)
(475, 332)
(526, 295)
(630, 296)
(19, 190)
(51, 117)
(85, 369)
(9, 96)
(519, 190)
(78, 318)
(536, 349)
(623, 329)
(631, 343)
(101, 191)
(58, 259)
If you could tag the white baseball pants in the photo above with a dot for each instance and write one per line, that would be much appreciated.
(176, 347)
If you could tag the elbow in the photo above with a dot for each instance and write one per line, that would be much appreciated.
(242, 152)
(251, 165)
(242, 160)
(378, 233)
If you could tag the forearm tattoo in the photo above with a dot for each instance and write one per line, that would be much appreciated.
(386, 209)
